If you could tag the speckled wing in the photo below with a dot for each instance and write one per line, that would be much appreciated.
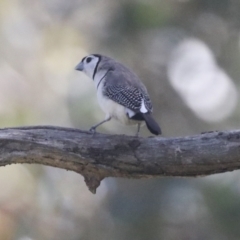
(128, 96)
(124, 87)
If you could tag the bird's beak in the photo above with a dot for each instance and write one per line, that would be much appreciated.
(79, 67)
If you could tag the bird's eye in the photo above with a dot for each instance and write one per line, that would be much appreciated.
(89, 59)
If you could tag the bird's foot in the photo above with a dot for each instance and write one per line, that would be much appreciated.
(92, 130)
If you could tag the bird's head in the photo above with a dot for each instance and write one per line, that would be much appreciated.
(94, 63)
(89, 64)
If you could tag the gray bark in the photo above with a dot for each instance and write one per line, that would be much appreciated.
(98, 156)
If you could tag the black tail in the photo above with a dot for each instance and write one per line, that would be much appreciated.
(152, 125)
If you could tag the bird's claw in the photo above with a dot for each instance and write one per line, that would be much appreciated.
(92, 130)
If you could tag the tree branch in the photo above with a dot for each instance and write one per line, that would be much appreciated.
(98, 156)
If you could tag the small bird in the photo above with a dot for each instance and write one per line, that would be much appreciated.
(121, 94)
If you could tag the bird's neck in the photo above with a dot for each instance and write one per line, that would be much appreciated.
(99, 77)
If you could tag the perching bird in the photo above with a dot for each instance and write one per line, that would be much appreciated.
(120, 92)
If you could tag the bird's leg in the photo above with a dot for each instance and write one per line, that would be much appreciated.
(93, 128)
(138, 129)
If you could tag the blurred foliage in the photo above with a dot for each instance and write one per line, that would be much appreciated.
(187, 52)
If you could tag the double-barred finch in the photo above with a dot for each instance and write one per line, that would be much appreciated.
(120, 92)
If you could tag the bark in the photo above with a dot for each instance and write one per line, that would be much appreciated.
(98, 156)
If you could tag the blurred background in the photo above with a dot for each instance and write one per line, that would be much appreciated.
(187, 52)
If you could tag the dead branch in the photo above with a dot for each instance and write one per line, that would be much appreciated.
(99, 156)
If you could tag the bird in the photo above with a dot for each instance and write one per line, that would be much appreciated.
(120, 92)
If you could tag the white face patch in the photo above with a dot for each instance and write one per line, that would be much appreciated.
(89, 64)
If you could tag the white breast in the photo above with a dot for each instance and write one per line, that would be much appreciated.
(110, 107)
